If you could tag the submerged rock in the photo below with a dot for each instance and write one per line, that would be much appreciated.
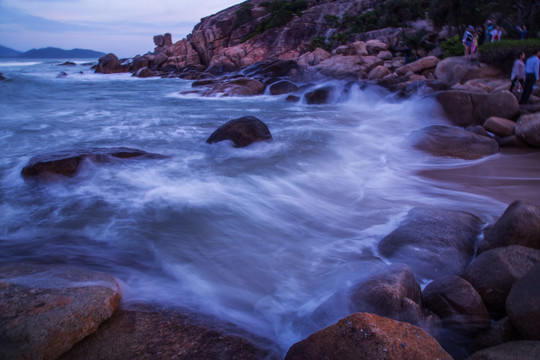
(433, 242)
(242, 132)
(67, 163)
(319, 96)
(45, 310)
(368, 336)
(283, 87)
(147, 332)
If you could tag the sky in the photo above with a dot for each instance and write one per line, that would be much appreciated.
(123, 27)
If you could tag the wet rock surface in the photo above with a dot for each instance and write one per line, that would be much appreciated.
(142, 331)
(433, 242)
(442, 140)
(67, 163)
(45, 310)
(368, 336)
(242, 132)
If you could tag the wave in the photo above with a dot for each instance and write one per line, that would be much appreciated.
(9, 63)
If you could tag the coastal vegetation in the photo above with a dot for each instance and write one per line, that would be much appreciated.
(280, 13)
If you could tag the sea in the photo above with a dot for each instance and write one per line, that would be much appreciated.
(262, 236)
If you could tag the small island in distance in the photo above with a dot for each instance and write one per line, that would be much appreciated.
(49, 53)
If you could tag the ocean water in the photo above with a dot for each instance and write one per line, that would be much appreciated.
(259, 236)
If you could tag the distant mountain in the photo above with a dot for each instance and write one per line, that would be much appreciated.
(8, 52)
(50, 52)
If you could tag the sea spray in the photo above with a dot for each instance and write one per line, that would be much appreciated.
(260, 236)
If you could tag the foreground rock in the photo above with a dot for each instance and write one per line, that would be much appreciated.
(433, 242)
(455, 70)
(147, 332)
(506, 265)
(68, 163)
(528, 129)
(458, 305)
(441, 140)
(465, 108)
(523, 305)
(393, 293)
(45, 310)
(368, 336)
(242, 132)
(519, 225)
(516, 350)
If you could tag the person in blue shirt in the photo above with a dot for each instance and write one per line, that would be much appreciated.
(532, 66)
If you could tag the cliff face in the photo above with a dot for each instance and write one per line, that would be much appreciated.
(219, 40)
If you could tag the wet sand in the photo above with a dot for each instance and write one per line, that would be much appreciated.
(514, 174)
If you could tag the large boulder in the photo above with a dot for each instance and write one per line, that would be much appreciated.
(45, 310)
(393, 293)
(523, 304)
(67, 163)
(506, 265)
(109, 64)
(148, 332)
(515, 350)
(455, 70)
(368, 336)
(528, 129)
(466, 108)
(518, 225)
(242, 86)
(433, 242)
(457, 303)
(441, 140)
(242, 131)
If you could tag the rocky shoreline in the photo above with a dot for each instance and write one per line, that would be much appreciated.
(484, 300)
(485, 294)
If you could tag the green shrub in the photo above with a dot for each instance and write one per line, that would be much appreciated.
(503, 53)
(243, 15)
(280, 13)
(453, 47)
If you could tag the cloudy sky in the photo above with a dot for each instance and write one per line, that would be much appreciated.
(124, 27)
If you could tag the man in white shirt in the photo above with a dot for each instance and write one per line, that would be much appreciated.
(532, 66)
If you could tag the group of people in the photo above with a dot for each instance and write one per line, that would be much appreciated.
(525, 73)
(472, 37)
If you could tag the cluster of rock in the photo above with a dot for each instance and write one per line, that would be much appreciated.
(52, 312)
(476, 302)
(484, 302)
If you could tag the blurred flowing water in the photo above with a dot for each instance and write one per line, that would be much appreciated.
(259, 236)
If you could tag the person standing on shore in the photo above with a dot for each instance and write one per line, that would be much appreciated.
(518, 73)
(496, 34)
(467, 40)
(531, 75)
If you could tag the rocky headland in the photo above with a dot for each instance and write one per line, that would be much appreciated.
(483, 297)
